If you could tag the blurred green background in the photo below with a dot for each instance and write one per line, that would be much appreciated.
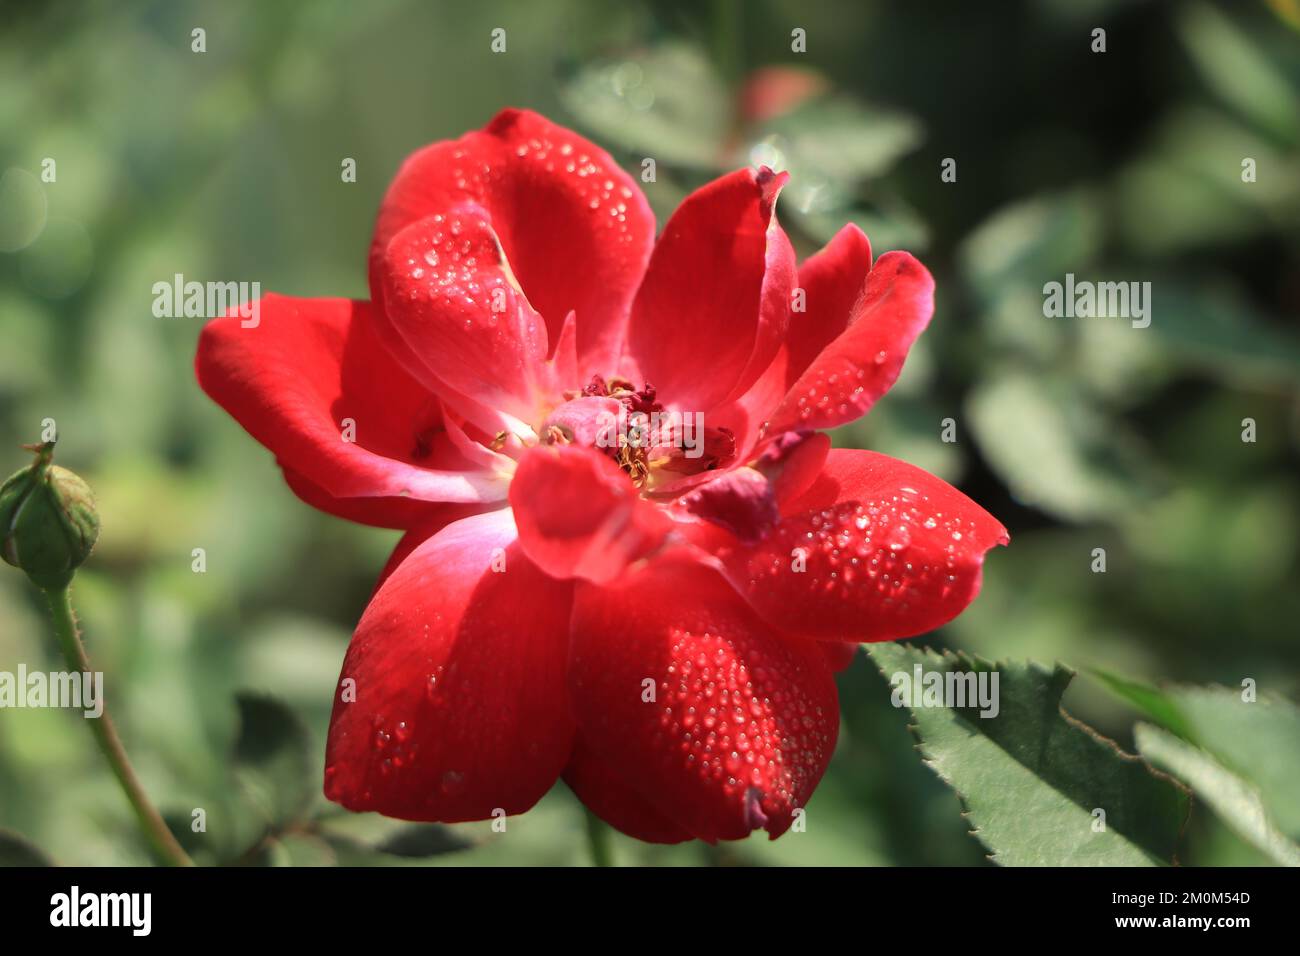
(1077, 433)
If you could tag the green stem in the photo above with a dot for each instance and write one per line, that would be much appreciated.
(151, 822)
(598, 840)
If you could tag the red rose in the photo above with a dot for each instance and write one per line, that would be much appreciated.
(630, 559)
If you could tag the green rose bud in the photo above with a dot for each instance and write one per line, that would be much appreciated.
(48, 522)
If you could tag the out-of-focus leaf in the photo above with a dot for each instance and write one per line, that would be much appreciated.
(17, 850)
(302, 849)
(1013, 322)
(1216, 331)
(150, 509)
(298, 656)
(59, 261)
(271, 759)
(1257, 738)
(1185, 191)
(1234, 800)
(423, 840)
(1239, 71)
(1033, 242)
(1120, 367)
(831, 145)
(25, 361)
(840, 141)
(216, 843)
(1252, 530)
(371, 840)
(889, 224)
(666, 103)
(350, 852)
(23, 209)
(1031, 778)
(1149, 700)
(1288, 11)
(1010, 257)
(1043, 582)
(1054, 449)
(416, 849)
(908, 431)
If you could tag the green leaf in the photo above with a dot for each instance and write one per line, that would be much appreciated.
(272, 760)
(302, 849)
(889, 223)
(1031, 777)
(906, 431)
(666, 102)
(1149, 700)
(1238, 70)
(1257, 739)
(372, 840)
(1217, 331)
(17, 850)
(1032, 242)
(349, 852)
(1055, 450)
(423, 840)
(842, 141)
(1233, 799)
(1184, 190)
(207, 847)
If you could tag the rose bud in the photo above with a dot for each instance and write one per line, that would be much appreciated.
(48, 523)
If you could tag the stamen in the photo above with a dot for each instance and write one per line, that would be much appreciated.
(632, 459)
(630, 455)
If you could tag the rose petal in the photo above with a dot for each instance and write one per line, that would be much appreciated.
(452, 298)
(575, 227)
(311, 374)
(721, 724)
(712, 310)
(858, 366)
(875, 549)
(746, 501)
(580, 516)
(839, 656)
(832, 281)
(611, 798)
(740, 501)
(401, 513)
(459, 708)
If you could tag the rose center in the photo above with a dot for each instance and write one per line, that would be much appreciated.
(655, 446)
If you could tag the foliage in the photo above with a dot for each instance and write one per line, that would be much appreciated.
(1078, 434)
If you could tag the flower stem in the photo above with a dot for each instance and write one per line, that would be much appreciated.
(598, 840)
(151, 822)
